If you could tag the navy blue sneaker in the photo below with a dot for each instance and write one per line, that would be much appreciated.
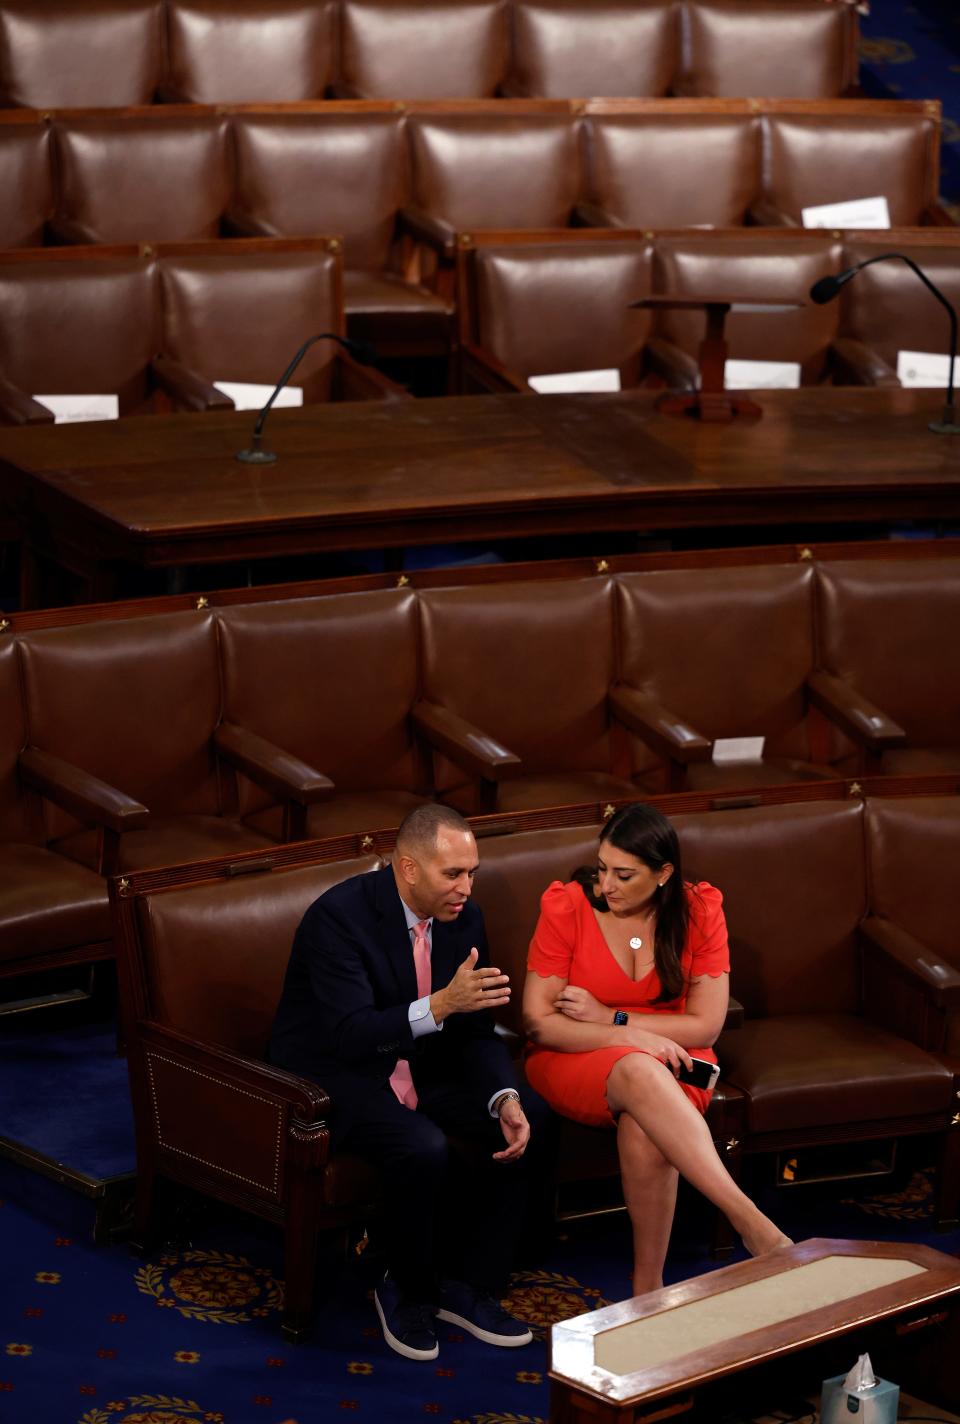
(480, 1315)
(407, 1325)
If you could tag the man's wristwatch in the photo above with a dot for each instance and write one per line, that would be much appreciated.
(510, 1093)
(621, 1018)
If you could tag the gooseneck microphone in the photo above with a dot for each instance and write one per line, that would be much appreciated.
(256, 454)
(828, 287)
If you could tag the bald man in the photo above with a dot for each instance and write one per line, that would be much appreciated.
(387, 1003)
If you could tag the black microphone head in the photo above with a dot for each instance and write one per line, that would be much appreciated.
(825, 290)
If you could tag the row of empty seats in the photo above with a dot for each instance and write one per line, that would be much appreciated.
(122, 52)
(529, 308)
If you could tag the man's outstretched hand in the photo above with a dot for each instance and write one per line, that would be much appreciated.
(471, 989)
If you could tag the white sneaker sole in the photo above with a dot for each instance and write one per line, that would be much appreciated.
(507, 1342)
(407, 1350)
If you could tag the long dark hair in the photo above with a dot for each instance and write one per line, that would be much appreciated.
(646, 834)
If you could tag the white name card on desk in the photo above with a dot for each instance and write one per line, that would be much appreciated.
(925, 368)
(68, 409)
(762, 375)
(858, 212)
(738, 749)
(247, 395)
(574, 382)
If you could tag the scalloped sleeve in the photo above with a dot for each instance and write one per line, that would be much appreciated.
(709, 949)
(555, 937)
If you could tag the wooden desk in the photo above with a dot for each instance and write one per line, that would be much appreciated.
(166, 490)
(787, 1320)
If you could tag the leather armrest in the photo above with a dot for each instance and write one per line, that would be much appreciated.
(429, 229)
(17, 408)
(83, 795)
(735, 1015)
(355, 381)
(589, 215)
(242, 225)
(680, 370)
(762, 213)
(938, 980)
(185, 388)
(463, 743)
(479, 367)
(658, 726)
(279, 772)
(853, 714)
(858, 364)
(70, 233)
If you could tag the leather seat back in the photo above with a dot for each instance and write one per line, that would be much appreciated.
(741, 269)
(423, 49)
(794, 891)
(14, 821)
(727, 650)
(886, 306)
(892, 630)
(79, 326)
(214, 955)
(332, 172)
(26, 181)
(244, 51)
(810, 159)
(789, 49)
(155, 177)
(613, 48)
(58, 54)
(563, 308)
(331, 680)
(234, 315)
(492, 171)
(133, 702)
(672, 169)
(912, 858)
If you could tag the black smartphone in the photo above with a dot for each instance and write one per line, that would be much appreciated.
(701, 1075)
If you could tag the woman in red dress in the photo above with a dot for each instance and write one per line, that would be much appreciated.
(627, 979)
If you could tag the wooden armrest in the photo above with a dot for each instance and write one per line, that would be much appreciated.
(735, 1015)
(936, 215)
(464, 744)
(857, 364)
(355, 381)
(84, 796)
(657, 725)
(479, 367)
(429, 229)
(762, 213)
(185, 388)
(938, 980)
(589, 215)
(277, 771)
(680, 370)
(243, 225)
(864, 723)
(17, 408)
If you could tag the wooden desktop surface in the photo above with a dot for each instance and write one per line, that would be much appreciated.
(165, 490)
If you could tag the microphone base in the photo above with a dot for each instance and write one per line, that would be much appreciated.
(256, 457)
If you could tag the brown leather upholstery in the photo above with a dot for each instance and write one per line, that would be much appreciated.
(347, 666)
(422, 49)
(808, 162)
(888, 308)
(80, 327)
(670, 169)
(740, 269)
(58, 53)
(891, 632)
(788, 49)
(152, 178)
(26, 182)
(240, 317)
(491, 171)
(812, 1067)
(727, 652)
(543, 308)
(541, 692)
(235, 51)
(568, 49)
(135, 703)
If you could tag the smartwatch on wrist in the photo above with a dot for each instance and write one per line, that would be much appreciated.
(621, 1018)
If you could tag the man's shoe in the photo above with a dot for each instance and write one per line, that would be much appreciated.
(408, 1325)
(480, 1315)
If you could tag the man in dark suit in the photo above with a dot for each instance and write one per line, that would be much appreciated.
(387, 1002)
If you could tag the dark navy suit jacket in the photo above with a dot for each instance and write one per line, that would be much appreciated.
(342, 1018)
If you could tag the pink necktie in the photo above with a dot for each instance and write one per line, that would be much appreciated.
(401, 1080)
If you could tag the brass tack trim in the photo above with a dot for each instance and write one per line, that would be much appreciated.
(403, 581)
(602, 566)
(608, 810)
(806, 554)
(366, 843)
(201, 603)
(856, 789)
(731, 1144)
(124, 886)
(5, 625)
